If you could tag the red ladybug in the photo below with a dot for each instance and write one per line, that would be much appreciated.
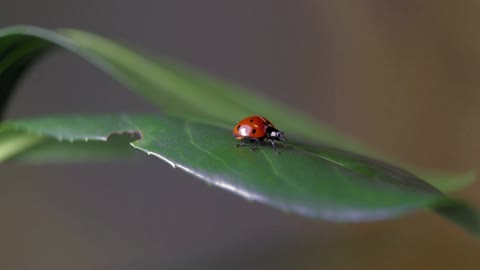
(256, 129)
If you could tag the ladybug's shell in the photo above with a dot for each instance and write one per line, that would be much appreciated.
(254, 127)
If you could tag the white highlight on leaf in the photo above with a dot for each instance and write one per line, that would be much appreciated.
(214, 181)
(154, 154)
(244, 193)
(222, 184)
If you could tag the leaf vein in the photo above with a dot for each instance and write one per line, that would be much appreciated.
(190, 135)
(281, 176)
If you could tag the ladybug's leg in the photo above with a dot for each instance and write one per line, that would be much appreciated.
(273, 145)
(255, 146)
(245, 143)
(240, 144)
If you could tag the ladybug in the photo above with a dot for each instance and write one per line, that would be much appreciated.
(256, 129)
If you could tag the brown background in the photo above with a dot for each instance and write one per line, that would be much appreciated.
(401, 76)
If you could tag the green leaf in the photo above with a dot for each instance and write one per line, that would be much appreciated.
(315, 181)
(177, 89)
(461, 213)
(20, 146)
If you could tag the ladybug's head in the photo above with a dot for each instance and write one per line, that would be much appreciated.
(278, 135)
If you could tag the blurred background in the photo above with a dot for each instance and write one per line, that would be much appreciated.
(400, 76)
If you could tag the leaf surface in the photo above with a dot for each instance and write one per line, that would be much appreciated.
(315, 181)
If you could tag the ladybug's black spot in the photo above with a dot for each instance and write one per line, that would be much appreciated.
(251, 120)
(238, 128)
(253, 131)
